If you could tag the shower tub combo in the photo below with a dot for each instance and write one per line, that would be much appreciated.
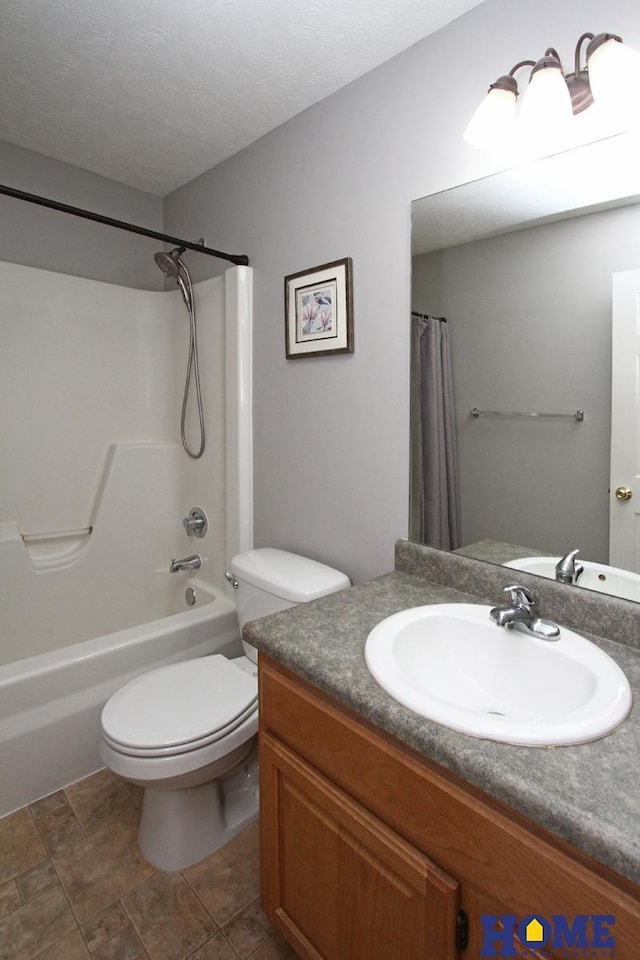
(50, 704)
(86, 609)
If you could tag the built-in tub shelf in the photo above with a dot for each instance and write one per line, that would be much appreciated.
(55, 549)
(138, 483)
(56, 535)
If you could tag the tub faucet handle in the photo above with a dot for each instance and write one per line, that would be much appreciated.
(196, 523)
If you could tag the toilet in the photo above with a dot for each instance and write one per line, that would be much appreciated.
(187, 732)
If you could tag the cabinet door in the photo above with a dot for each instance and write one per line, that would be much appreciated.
(340, 884)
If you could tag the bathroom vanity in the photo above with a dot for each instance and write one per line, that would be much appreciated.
(387, 836)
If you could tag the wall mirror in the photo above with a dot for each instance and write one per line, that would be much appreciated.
(521, 266)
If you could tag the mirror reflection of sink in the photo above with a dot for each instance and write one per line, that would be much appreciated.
(452, 664)
(596, 576)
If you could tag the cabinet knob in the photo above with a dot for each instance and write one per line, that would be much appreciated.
(624, 493)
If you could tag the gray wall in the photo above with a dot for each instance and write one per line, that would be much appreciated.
(38, 237)
(529, 316)
(332, 434)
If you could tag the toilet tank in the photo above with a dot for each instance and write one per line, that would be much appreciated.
(271, 580)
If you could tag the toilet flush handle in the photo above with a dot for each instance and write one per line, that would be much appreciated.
(229, 577)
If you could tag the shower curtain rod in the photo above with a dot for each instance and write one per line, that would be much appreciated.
(239, 258)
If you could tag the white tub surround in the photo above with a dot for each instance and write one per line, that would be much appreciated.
(95, 487)
(61, 587)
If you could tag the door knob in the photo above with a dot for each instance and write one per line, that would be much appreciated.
(624, 493)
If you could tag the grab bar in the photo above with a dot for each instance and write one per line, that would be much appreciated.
(56, 535)
(475, 412)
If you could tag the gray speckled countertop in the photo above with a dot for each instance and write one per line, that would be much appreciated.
(588, 794)
(497, 551)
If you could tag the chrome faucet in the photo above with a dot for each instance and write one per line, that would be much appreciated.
(189, 563)
(522, 614)
(568, 570)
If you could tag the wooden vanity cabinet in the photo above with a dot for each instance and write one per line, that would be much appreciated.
(344, 884)
(369, 851)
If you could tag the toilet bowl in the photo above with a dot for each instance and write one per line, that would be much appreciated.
(187, 732)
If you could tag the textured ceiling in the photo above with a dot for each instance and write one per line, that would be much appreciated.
(153, 92)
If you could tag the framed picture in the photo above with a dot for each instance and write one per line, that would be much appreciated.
(318, 311)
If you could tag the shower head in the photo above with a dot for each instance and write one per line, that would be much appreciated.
(170, 262)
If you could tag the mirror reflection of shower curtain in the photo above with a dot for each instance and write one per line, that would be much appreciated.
(435, 485)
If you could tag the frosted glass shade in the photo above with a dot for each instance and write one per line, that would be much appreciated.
(614, 76)
(546, 106)
(494, 121)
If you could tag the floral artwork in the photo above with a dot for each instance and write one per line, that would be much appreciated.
(318, 310)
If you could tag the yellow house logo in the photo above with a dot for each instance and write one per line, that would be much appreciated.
(534, 932)
(509, 936)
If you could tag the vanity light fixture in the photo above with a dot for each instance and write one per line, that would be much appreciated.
(610, 78)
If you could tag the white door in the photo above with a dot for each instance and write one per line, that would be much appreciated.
(624, 513)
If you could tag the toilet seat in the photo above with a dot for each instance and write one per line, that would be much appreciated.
(179, 708)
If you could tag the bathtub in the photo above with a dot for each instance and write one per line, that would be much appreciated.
(50, 704)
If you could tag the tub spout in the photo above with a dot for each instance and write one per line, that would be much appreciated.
(189, 563)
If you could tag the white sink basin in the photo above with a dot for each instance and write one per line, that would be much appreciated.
(596, 576)
(452, 664)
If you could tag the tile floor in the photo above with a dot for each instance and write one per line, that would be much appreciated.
(74, 886)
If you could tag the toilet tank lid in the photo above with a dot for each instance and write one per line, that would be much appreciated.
(287, 575)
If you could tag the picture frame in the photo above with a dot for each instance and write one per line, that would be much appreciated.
(318, 314)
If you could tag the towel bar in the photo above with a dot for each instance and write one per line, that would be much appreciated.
(577, 415)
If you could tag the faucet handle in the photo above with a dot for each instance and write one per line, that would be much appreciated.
(196, 523)
(520, 596)
(568, 568)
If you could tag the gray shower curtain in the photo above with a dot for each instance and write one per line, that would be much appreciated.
(435, 488)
